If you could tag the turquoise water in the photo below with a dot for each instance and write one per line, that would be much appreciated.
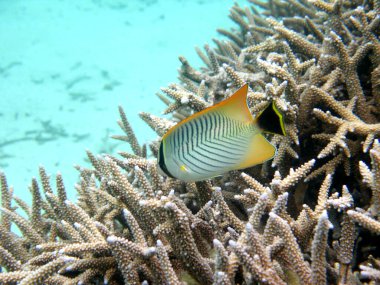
(65, 66)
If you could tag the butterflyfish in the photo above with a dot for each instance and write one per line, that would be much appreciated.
(219, 139)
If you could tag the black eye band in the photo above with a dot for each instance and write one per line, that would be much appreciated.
(161, 161)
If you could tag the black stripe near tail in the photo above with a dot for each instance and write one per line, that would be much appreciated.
(271, 120)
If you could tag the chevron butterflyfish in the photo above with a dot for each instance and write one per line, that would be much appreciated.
(219, 139)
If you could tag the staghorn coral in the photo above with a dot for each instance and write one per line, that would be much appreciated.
(310, 216)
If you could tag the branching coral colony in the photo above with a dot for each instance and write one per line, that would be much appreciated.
(310, 216)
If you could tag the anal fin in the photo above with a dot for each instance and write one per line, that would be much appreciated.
(259, 151)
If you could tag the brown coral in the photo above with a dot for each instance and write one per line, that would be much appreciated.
(310, 216)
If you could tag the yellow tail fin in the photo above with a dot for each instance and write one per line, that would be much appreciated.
(271, 120)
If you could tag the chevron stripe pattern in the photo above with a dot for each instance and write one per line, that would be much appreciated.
(209, 145)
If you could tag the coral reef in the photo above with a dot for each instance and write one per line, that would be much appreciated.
(310, 216)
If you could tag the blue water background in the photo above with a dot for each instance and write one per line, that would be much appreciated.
(65, 66)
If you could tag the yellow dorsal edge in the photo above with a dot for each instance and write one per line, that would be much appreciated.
(234, 106)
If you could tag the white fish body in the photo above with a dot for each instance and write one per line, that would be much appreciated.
(218, 139)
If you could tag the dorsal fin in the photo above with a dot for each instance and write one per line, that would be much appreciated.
(234, 106)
